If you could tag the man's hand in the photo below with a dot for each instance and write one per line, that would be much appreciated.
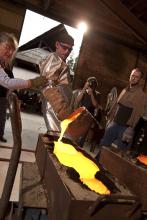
(37, 82)
(90, 91)
(128, 135)
(86, 86)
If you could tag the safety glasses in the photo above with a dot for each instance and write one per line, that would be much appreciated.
(64, 47)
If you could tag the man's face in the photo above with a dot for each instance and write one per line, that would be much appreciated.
(63, 50)
(135, 77)
(6, 52)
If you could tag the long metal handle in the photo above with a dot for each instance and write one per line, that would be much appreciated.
(16, 151)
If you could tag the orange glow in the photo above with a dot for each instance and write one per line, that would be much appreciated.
(142, 159)
(69, 156)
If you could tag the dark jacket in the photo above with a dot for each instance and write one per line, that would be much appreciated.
(3, 90)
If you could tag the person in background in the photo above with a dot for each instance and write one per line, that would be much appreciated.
(89, 98)
(54, 67)
(125, 114)
(8, 47)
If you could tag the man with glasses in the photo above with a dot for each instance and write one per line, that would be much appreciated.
(57, 94)
(125, 114)
(63, 50)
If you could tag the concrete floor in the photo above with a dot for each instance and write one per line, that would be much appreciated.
(32, 125)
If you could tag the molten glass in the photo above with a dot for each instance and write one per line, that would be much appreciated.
(142, 159)
(69, 156)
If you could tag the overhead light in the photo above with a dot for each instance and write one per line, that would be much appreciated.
(82, 26)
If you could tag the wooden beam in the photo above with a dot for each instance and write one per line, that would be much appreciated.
(10, 30)
(46, 4)
(141, 13)
(128, 18)
(107, 33)
(132, 6)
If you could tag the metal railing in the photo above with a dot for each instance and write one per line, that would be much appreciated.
(16, 151)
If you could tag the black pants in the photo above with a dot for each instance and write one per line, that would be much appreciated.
(3, 110)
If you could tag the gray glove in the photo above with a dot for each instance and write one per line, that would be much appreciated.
(38, 81)
(128, 135)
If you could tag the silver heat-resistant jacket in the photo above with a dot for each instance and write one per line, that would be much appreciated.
(58, 73)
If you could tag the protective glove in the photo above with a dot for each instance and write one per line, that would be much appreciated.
(128, 135)
(38, 81)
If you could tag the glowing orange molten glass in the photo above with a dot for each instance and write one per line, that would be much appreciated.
(142, 159)
(69, 156)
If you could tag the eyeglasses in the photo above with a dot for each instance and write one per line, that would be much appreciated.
(65, 47)
(7, 46)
